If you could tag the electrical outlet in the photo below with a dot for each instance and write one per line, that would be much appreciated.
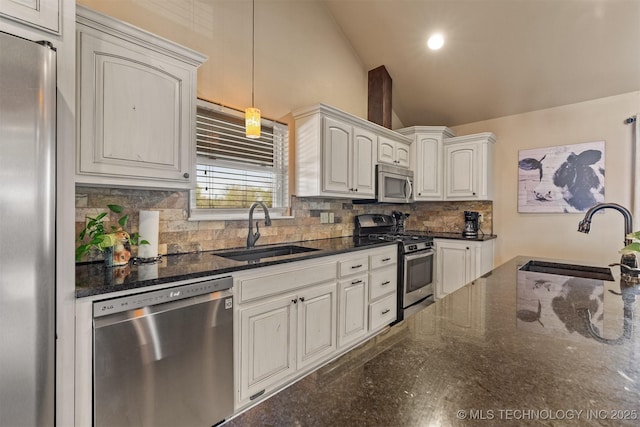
(324, 217)
(480, 219)
(331, 218)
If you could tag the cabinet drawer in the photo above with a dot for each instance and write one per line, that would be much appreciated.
(382, 312)
(383, 259)
(382, 282)
(353, 266)
(284, 281)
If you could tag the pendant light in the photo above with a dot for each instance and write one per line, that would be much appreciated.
(252, 114)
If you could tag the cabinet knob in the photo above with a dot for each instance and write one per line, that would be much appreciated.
(186, 175)
(467, 247)
(301, 299)
(474, 193)
(419, 194)
(295, 301)
(355, 189)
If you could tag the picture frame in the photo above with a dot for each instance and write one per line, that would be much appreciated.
(561, 179)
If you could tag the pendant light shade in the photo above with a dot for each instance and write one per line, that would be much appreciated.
(252, 114)
(252, 122)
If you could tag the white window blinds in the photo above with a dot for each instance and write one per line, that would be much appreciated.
(234, 171)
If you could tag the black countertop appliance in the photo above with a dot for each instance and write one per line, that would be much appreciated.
(471, 224)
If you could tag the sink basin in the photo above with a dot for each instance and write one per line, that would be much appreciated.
(584, 271)
(261, 253)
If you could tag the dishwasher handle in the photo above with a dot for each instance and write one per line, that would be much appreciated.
(163, 296)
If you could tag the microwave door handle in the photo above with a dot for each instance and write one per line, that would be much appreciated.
(410, 192)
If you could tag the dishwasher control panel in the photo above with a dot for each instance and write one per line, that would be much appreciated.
(131, 302)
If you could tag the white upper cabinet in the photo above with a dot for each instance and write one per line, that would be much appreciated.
(42, 14)
(427, 160)
(336, 153)
(468, 167)
(137, 105)
(347, 159)
(393, 151)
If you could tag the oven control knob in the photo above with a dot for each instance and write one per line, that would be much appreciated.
(413, 247)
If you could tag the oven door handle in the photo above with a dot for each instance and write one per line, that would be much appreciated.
(421, 254)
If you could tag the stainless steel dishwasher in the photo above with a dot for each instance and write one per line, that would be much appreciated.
(164, 358)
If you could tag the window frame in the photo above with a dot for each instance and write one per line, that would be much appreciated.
(200, 214)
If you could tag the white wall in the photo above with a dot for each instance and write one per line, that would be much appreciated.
(555, 235)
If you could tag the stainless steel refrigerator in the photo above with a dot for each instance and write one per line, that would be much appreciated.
(27, 232)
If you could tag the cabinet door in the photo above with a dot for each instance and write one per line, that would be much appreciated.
(336, 151)
(428, 179)
(402, 154)
(352, 315)
(136, 114)
(44, 14)
(267, 352)
(316, 324)
(386, 151)
(454, 267)
(460, 171)
(364, 168)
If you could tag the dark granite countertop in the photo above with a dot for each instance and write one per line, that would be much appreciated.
(511, 348)
(96, 279)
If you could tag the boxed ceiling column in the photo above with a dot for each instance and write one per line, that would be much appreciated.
(379, 102)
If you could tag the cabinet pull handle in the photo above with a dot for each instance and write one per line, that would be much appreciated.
(257, 395)
(295, 301)
(386, 311)
(356, 266)
(385, 283)
(186, 175)
(386, 259)
(355, 282)
(301, 299)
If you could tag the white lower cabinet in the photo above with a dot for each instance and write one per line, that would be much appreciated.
(459, 262)
(352, 318)
(268, 354)
(316, 324)
(292, 318)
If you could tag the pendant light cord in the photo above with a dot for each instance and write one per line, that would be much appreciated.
(253, 51)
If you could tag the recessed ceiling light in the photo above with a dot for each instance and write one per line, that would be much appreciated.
(435, 42)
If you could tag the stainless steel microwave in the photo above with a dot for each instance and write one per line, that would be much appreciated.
(394, 184)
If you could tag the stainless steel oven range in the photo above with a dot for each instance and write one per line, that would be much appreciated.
(416, 269)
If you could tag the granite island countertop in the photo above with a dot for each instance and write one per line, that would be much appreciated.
(510, 348)
(95, 279)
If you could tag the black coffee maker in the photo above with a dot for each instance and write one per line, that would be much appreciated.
(471, 224)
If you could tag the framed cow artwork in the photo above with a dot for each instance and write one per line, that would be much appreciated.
(561, 179)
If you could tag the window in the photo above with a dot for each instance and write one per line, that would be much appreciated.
(234, 171)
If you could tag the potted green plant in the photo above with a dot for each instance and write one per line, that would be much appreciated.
(631, 255)
(115, 243)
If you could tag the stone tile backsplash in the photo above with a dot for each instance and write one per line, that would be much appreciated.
(178, 235)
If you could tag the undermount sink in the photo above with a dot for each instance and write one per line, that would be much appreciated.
(261, 253)
(574, 270)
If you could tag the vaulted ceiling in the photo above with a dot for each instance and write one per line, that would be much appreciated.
(500, 57)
